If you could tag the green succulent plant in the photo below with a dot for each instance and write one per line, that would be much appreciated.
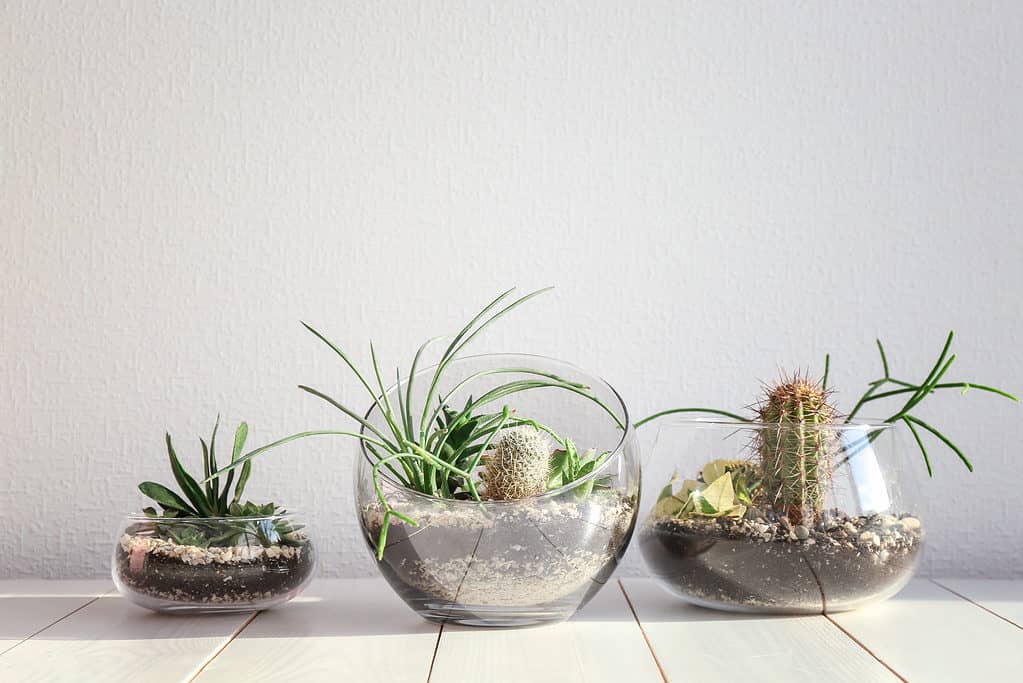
(188, 518)
(434, 448)
(568, 466)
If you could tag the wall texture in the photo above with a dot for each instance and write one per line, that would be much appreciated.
(718, 190)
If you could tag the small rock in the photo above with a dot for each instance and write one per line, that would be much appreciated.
(849, 527)
(884, 555)
(801, 532)
(868, 538)
(910, 523)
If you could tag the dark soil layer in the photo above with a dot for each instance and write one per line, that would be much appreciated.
(243, 582)
(765, 566)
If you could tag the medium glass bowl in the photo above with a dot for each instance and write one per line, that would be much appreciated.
(217, 564)
(516, 562)
(858, 541)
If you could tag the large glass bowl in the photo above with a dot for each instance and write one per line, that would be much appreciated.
(856, 539)
(517, 562)
(217, 564)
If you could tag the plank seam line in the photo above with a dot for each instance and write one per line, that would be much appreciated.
(223, 647)
(865, 648)
(972, 602)
(628, 601)
(51, 625)
(436, 647)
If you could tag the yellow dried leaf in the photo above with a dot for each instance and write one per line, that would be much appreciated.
(668, 507)
(719, 493)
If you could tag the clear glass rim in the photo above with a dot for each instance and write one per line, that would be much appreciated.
(857, 425)
(597, 471)
(143, 517)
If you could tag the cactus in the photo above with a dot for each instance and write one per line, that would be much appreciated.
(795, 448)
(519, 465)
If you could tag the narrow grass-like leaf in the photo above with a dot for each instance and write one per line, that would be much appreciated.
(243, 460)
(920, 443)
(385, 410)
(336, 349)
(355, 416)
(206, 471)
(944, 439)
(466, 336)
(708, 411)
(188, 485)
(914, 399)
(240, 435)
(215, 483)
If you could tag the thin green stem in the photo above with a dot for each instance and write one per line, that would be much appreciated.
(920, 443)
(355, 416)
(943, 385)
(708, 411)
(944, 439)
(280, 442)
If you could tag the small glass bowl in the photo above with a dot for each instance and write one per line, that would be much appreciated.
(216, 564)
(507, 563)
(858, 542)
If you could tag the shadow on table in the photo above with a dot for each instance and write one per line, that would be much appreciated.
(660, 606)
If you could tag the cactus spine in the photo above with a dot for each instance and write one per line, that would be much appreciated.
(795, 448)
(519, 465)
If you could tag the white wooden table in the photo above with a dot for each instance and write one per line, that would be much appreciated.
(358, 630)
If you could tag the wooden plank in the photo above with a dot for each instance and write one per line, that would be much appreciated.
(691, 642)
(600, 643)
(339, 630)
(1004, 598)
(928, 634)
(112, 640)
(28, 606)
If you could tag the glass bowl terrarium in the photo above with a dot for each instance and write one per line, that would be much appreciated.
(495, 490)
(206, 551)
(509, 559)
(212, 564)
(782, 518)
(798, 508)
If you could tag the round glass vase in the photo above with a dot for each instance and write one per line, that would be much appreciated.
(814, 520)
(510, 562)
(214, 564)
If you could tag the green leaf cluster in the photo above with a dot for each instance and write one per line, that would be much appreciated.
(917, 392)
(568, 466)
(213, 499)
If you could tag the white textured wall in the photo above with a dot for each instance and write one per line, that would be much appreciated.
(717, 189)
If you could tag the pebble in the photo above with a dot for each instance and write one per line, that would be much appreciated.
(910, 523)
(801, 532)
(849, 527)
(868, 538)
